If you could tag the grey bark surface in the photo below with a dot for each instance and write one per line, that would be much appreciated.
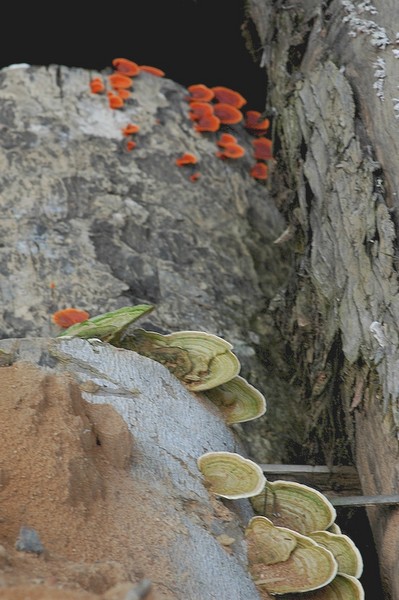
(86, 223)
(170, 428)
(333, 75)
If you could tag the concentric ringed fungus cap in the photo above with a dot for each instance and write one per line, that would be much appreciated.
(200, 360)
(126, 67)
(294, 505)
(308, 566)
(238, 400)
(228, 96)
(342, 587)
(346, 554)
(230, 475)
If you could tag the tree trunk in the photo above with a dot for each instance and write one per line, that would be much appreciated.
(86, 223)
(333, 94)
(99, 456)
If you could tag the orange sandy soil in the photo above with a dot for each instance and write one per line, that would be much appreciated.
(64, 472)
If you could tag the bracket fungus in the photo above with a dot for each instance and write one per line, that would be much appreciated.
(227, 114)
(230, 475)
(308, 567)
(200, 109)
(262, 148)
(259, 171)
(228, 96)
(120, 81)
(294, 505)
(231, 151)
(226, 138)
(126, 67)
(200, 360)
(346, 554)
(342, 587)
(238, 400)
(199, 91)
(186, 159)
(130, 129)
(152, 70)
(114, 100)
(208, 123)
(108, 326)
(66, 317)
(255, 122)
(97, 85)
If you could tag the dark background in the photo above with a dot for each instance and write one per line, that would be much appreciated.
(193, 41)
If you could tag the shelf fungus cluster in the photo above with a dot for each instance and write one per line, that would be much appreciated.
(294, 545)
(200, 360)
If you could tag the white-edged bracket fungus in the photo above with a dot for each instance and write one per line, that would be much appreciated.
(308, 567)
(238, 400)
(346, 554)
(230, 475)
(200, 360)
(334, 528)
(294, 505)
(109, 326)
(342, 587)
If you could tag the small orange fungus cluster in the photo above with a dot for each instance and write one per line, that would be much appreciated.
(69, 316)
(211, 109)
(128, 131)
(120, 84)
(188, 159)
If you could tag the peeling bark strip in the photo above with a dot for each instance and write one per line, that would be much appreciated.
(333, 74)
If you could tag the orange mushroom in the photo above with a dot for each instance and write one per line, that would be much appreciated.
(226, 138)
(228, 114)
(228, 96)
(201, 92)
(130, 145)
(231, 151)
(208, 123)
(256, 122)
(119, 81)
(186, 159)
(153, 70)
(262, 148)
(114, 100)
(124, 94)
(259, 170)
(97, 85)
(126, 67)
(194, 176)
(130, 129)
(69, 316)
(200, 109)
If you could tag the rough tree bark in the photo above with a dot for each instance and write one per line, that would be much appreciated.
(333, 76)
